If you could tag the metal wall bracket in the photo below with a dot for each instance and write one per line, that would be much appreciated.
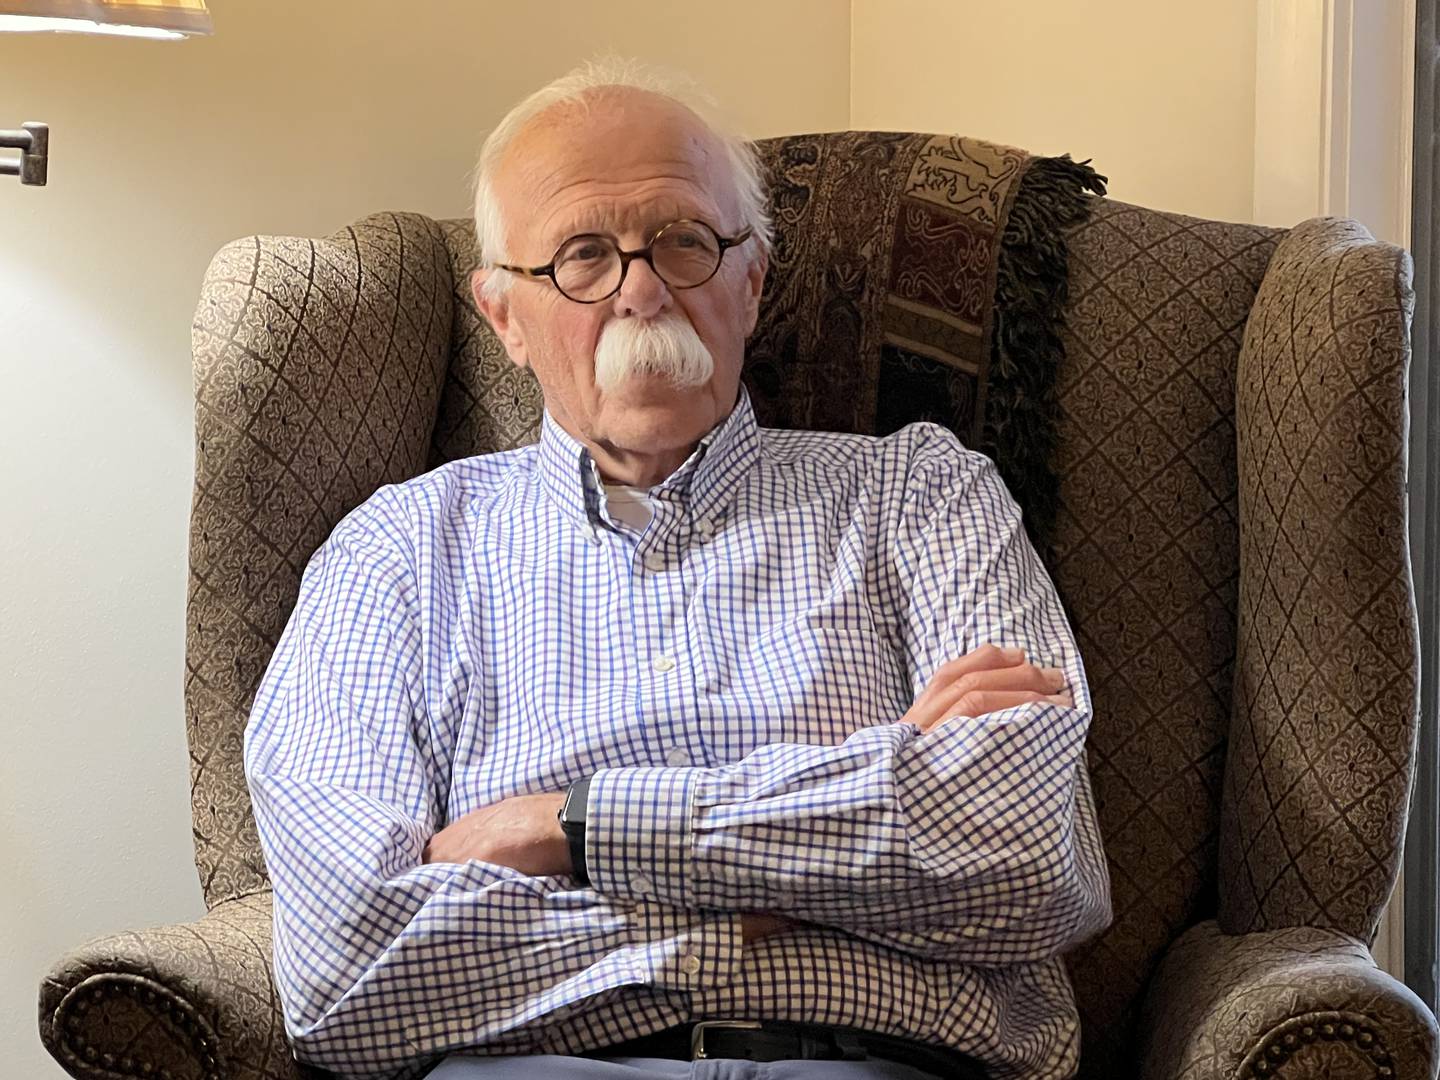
(33, 142)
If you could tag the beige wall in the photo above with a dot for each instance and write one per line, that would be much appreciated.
(1160, 95)
(294, 117)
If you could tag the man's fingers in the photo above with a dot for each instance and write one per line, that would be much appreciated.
(980, 702)
(1027, 677)
(940, 699)
(928, 707)
(985, 658)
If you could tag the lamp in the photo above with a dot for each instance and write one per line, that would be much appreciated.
(138, 18)
(169, 19)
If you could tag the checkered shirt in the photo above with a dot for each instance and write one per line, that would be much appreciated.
(733, 678)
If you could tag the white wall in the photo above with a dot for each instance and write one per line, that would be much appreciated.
(1160, 94)
(1334, 103)
(293, 118)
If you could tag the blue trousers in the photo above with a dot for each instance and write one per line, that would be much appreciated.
(547, 1066)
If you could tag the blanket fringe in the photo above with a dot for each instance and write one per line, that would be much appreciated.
(1031, 289)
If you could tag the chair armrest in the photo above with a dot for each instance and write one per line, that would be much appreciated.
(318, 367)
(1321, 750)
(1296, 1004)
(193, 1000)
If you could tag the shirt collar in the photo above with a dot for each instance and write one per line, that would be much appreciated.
(706, 479)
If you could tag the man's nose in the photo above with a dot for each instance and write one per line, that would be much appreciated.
(643, 293)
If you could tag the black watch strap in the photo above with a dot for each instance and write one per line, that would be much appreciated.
(572, 823)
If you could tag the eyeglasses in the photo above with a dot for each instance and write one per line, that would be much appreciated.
(590, 267)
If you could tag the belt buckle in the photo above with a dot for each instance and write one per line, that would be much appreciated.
(697, 1033)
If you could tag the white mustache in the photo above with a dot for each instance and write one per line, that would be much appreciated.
(666, 346)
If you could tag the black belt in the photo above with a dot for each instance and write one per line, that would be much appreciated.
(776, 1040)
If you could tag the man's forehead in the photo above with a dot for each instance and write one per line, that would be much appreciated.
(610, 143)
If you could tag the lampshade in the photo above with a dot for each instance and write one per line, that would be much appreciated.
(143, 18)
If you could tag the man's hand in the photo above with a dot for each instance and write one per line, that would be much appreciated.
(521, 832)
(985, 680)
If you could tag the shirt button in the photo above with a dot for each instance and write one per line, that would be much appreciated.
(705, 527)
(655, 562)
(690, 965)
(664, 663)
(677, 757)
(641, 884)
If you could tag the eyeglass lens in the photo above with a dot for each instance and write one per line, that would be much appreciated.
(684, 254)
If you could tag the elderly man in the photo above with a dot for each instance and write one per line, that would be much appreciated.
(670, 736)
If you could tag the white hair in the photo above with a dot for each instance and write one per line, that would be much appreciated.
(574, 88)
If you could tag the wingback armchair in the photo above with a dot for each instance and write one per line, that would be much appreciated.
(1207, 433)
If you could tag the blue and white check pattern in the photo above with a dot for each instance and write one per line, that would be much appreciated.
(733, 677)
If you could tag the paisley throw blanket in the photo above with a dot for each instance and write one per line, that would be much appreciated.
(920, 277)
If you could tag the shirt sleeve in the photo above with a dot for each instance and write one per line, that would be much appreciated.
(975, 842)
(379, 958)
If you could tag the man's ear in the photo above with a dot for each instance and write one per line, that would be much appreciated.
(496, 310)
(754, 286)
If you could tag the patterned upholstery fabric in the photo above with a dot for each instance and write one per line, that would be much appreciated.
(194, 1000)
(488, 403)
(325, 368)
(1318, 772)
(318, 368)
(1146, 560)
(1300, 1003)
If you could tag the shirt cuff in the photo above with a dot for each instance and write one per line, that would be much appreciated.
(638, 834)
(690, 951)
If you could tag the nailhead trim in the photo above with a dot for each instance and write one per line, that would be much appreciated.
(155, 998)
(1267, 1060)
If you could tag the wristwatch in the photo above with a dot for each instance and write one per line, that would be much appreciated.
(572, 823)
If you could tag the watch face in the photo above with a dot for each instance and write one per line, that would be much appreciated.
(573, 812)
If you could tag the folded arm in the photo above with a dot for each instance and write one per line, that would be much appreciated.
(974, 841)
(379, 956)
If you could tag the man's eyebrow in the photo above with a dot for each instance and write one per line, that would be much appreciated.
(583, 228)
(557, 236)
(591, 224)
